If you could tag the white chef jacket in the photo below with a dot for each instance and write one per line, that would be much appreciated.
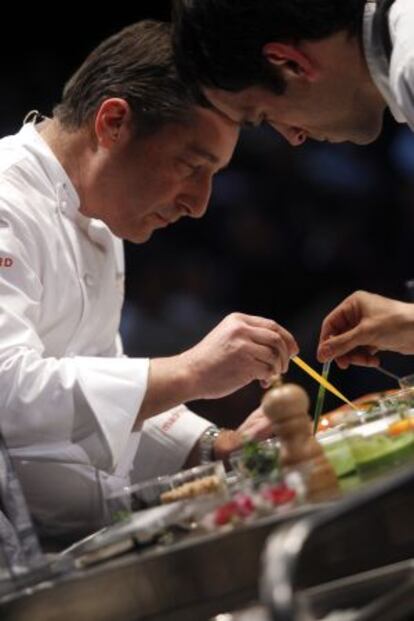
(394, 80)
(68, 396)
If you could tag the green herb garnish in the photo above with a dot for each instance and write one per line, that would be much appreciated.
(258, 459)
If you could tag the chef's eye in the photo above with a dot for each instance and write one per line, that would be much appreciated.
(189, 168)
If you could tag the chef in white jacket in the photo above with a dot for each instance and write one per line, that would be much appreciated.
(128, 151)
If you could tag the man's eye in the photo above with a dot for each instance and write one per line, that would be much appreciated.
(190, 168)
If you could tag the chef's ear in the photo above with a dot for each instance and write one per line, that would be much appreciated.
(292, 62)
(112, 121)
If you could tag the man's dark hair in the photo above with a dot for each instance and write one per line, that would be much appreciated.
(135, 64)
(219, 43)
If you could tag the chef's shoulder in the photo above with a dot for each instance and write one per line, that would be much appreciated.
(27, 193)
(28, 212)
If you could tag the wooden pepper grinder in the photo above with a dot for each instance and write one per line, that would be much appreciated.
(287, 406)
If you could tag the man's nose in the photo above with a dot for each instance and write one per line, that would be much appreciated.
(197, 198)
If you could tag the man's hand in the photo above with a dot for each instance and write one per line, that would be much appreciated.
(364, 324)
(242, 348)
(256, 427)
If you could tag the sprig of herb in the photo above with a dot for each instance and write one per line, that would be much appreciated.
(258, 460)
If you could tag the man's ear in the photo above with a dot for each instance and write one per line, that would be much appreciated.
(112, 121)
(291, 61)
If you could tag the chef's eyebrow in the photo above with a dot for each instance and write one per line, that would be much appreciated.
(207, 155)
(210, 157)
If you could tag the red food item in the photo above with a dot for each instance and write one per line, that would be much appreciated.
(279, 494)
(226, 513)
(245, 505)
(240, 507)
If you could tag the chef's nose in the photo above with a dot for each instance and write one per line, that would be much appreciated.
(196, 198)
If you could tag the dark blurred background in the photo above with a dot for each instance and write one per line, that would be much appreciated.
(289, 233)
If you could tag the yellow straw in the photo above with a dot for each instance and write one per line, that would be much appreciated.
(305, 367)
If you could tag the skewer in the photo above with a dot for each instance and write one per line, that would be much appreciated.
(388, 373)
(316, 376)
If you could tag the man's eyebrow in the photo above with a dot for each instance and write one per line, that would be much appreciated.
(204, 153)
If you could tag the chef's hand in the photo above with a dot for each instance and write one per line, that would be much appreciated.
(256, 427)
(242, 348)
(364, 324)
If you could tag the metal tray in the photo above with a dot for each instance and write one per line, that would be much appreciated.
(190, 580)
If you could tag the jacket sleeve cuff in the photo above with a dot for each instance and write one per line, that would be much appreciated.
(166, 441)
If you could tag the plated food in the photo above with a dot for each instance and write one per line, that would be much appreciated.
(367, 406)
(257, 460)
(351, 447)
(375, 439)
(199, 487)
(187, 484)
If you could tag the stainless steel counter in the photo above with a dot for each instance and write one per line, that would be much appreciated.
(190, 580)
(204, 575)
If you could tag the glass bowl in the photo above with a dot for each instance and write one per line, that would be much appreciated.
(257, 460)
(201, 480)
(382, 445)
(338, 451)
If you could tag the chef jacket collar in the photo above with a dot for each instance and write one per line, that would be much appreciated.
(377, 61)
(68, 198)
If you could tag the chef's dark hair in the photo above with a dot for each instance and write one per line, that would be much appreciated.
(135, 64)
(219, 43)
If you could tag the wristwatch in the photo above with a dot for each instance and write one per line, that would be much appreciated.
(206, 444)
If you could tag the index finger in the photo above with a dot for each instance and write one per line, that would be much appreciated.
(270, 324)
(335, 323)
(342, 319)
(360, 356)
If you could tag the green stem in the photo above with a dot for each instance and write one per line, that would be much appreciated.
(321, 397)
